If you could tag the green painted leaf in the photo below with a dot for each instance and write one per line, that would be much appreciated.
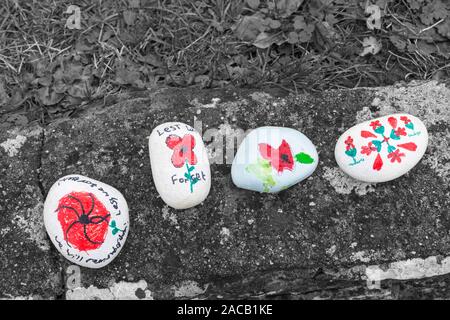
(262, 170)
(391, 149)
(379, 130)
(377, 144)
(410, 125)
(191, 168)
(304, 158)
(351, 152)
(187, 176)
(115, 231)
(113, 224)
(394, 136)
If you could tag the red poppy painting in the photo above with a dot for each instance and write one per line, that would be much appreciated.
(280, 158)
(84, 220)
(183, 149)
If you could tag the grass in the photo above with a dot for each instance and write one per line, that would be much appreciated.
(49, 71)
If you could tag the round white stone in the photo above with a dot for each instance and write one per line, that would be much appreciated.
(86, 220)
(272, 159)
(382, 149)
(180, 165)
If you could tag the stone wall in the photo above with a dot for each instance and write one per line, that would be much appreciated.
(323, 238)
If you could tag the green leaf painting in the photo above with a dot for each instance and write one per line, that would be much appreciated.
(377, 144)
(379, 130)
(410, 125)
(304, 158)
(114, 228)
(351, 152)
(189, 177)
(391, 148)
(393, 135)
(262, 170)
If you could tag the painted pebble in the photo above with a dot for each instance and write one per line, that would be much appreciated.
(271, 159)
(180, 165)
(86, 220)
(382, 149)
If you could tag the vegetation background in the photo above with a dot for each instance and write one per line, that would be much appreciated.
(56, 56)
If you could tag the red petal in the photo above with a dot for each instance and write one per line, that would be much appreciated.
(192, 159)
(378, 163)
(178, 157)
(393, 122)
(284, 148)
(288, 162)
(265, 150)
(189, 141)
(411, 146)
(367, 134)
(172, 141)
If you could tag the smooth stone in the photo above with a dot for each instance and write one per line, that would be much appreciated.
(180, 165)
(382, 149)
(86, 220)
(272, 159)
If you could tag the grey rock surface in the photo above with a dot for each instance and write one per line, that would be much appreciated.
(29, 268)
(323, 238)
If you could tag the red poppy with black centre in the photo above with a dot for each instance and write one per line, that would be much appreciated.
(280, 158)
(84, 220)
(183, 150)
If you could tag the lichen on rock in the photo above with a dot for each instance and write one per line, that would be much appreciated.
(344, 184)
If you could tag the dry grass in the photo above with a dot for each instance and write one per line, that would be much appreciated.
(48, 70)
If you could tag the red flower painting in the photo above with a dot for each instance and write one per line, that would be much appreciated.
(400, 132)
(84, 220)
(349, 143)
(368, 149)
(183, 149)
(375, 124)
(396, 156)
(382, 139)
(405, 119)
(280, 159)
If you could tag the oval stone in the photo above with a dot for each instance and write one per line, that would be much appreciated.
(382, 149)
(180, 165)
(86, 220)
(272, 159)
